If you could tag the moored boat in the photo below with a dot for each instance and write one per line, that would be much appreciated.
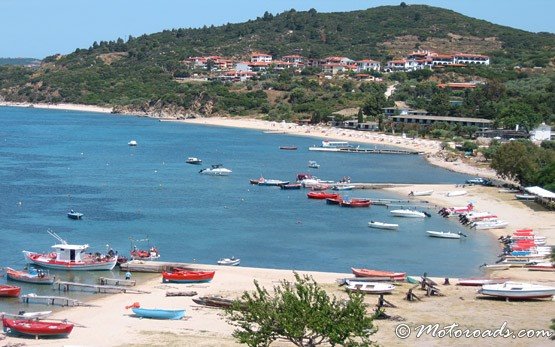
(74, 215)
(272, 182)
(156, 313)
(216, 170)
(288, 148)
(36, 276)
(321, 195)
(369, 287)
(330, 146)
(512, 290)
(495, 267)
(132, 143)
(36, 328)
(356, 203)
(143, 254)
(395, 276)
(229, 261)
(334, 201)
(290, 186)
(543, 266)
(421, 193)
(313, 165)
(343, 187)
(8, 291)
(456, 193)
(380, 225)
(186, 276)
(409, 213)
(193, 160)
(444, 234)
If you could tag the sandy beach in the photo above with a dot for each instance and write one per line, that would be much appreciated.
(67, 107)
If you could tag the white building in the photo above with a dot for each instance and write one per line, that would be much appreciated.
(541, 133)
(261, 58)
(367, 65)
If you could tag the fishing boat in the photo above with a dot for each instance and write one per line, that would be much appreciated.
(193, 160)
(380, 225)
(369, 287)
(409, 213)
(343, 187)
(321, 195)
(512, 290)
(421, 193)
(313, 165)
(525, 197)
(36, 328)
(334, 201)
(290, 186)
(474, 282)
(216, 170)
(330, 146)
(7, 291)
(288, 148)
(229, 261)
(71, 257)
(74, 215)
(355, 203)
(36, 276)
(444, 234)
(456, 193)
(543, 266)
(394, 276)
(156, 313)
(186, 276)
(132, 143)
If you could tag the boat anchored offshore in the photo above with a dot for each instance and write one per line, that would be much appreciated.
(216, 170)
(132, 143)
(444, 235)
(380, 225)
(193, 160)
(229, 261)
(330, 146)
(74, 215)
(313, 165)
(71, 257)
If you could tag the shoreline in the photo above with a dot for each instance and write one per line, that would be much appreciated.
(429, 148)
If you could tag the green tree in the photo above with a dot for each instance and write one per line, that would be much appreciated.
(439, 104)
(360, 116)
(302, 313)
(519, 113)
(522, 161)
(374, 104)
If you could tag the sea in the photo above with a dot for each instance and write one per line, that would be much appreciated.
(52, 161)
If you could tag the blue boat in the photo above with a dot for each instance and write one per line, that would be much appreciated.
(155, 313)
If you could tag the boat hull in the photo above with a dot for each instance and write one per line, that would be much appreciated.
(37, 328)
(442, 235)
(21, 276)
(9, 291)
(396, 276)
(412, 214)
(36, 259)
(383, 226)
(187, 276)
(159, 314)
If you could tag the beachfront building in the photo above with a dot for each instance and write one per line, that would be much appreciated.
(470, 59)
(427, 120)
(542, 133)
(257, 57)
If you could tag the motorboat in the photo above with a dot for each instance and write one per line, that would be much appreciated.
(7, 291)
(380, 225)
(456, 193)
(343, 187)
(456, 211)
(492, 224)
(32, 275)
(229, 261)
(156, 313)
(334, 201)
(36, 328)
(271, 182)
(478, 180)
(421, 193)
(288, 148)
(525, 197)
(355, 203)
(495, 267)
(394, 276)
(313, 165)
(132, 143)
(216, 170)
(409, 213)
(540, 266)
(474, 282)
(290, 186)
(444, 235)
(330, 146)
(369, 287)
(74, 215)
(186, 276)
(193, 160)
(513, 290)
(321, 195)
(71, 257)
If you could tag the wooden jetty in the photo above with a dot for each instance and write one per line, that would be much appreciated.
(52, 300)
(377, 151)
(156, 266)
(98, 288)
(116, 282)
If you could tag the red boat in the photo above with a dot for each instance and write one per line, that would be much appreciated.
(186, 276)
(356, 203)
(37, 328)
(7, 291)
(322, 195)
(395, 276)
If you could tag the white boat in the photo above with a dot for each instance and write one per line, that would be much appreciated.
(229, 261)
(493, 224)
(408, 213)
(330, 146)
(313, 165)
(444, 235)
(216, 170)
(508, 191)
(132, 143)
(517, 290)
(380, 225)
(456, 193)
(193, 160)
(525, 197)
(421, 193)
(495, 267)
(343, 187)
(28, 315)
(369, 287)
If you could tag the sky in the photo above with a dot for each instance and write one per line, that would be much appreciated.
(38, 28)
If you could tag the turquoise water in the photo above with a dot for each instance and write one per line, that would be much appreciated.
(53, 161)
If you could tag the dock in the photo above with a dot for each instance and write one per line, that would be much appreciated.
(52, 300)
(116, 282)
(371, 185)
(98, 288)
(378, 151)
(155, 266)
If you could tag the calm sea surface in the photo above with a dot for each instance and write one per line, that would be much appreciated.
(53, 161)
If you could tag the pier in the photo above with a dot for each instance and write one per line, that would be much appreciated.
(116, 282)
(154, 266)
(377, 151)
(52, 300)
(67, 286)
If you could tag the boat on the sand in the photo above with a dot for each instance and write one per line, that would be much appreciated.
(369, 287)
(477, 281)
(186, 276)
(36, 328)
(156, 313)
(394, 276)
(444, 234)
(512, 290)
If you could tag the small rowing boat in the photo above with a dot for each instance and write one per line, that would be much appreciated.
(186, 276)
(512, 290)
(156, 313)
(36, 328)
(380, 225)
(394, 276)
(7, 291)
(369, 287)
(421, 193)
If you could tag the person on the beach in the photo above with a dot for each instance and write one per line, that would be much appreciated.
(128, 275)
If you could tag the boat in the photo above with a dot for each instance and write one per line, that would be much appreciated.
(473, 282)
(156, 313)
(132, 143)
(369, 287)
(394, 276)
(186, 276)
(313, 165)
(444, 235)
(71, 257)
(409, 213)
(271, 182)
(36, 276)
(421, 193)
(213, 301)
(321, 195)
(456, 211)
(74, 215)
(479, 180)
(493, 224)
(288, 148)
(544, 266)
(193, 160)
(495, 267)
(290, 186)
(36, 328)
(330, 146)
(456, 193)
(355, 203)
(525, 197)
(343, 187)
(380, 225)
(7, 291)
(28, 315)
(512, 290)
(141, 254)
(334, 201)
(216, 170)
(229, 261)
